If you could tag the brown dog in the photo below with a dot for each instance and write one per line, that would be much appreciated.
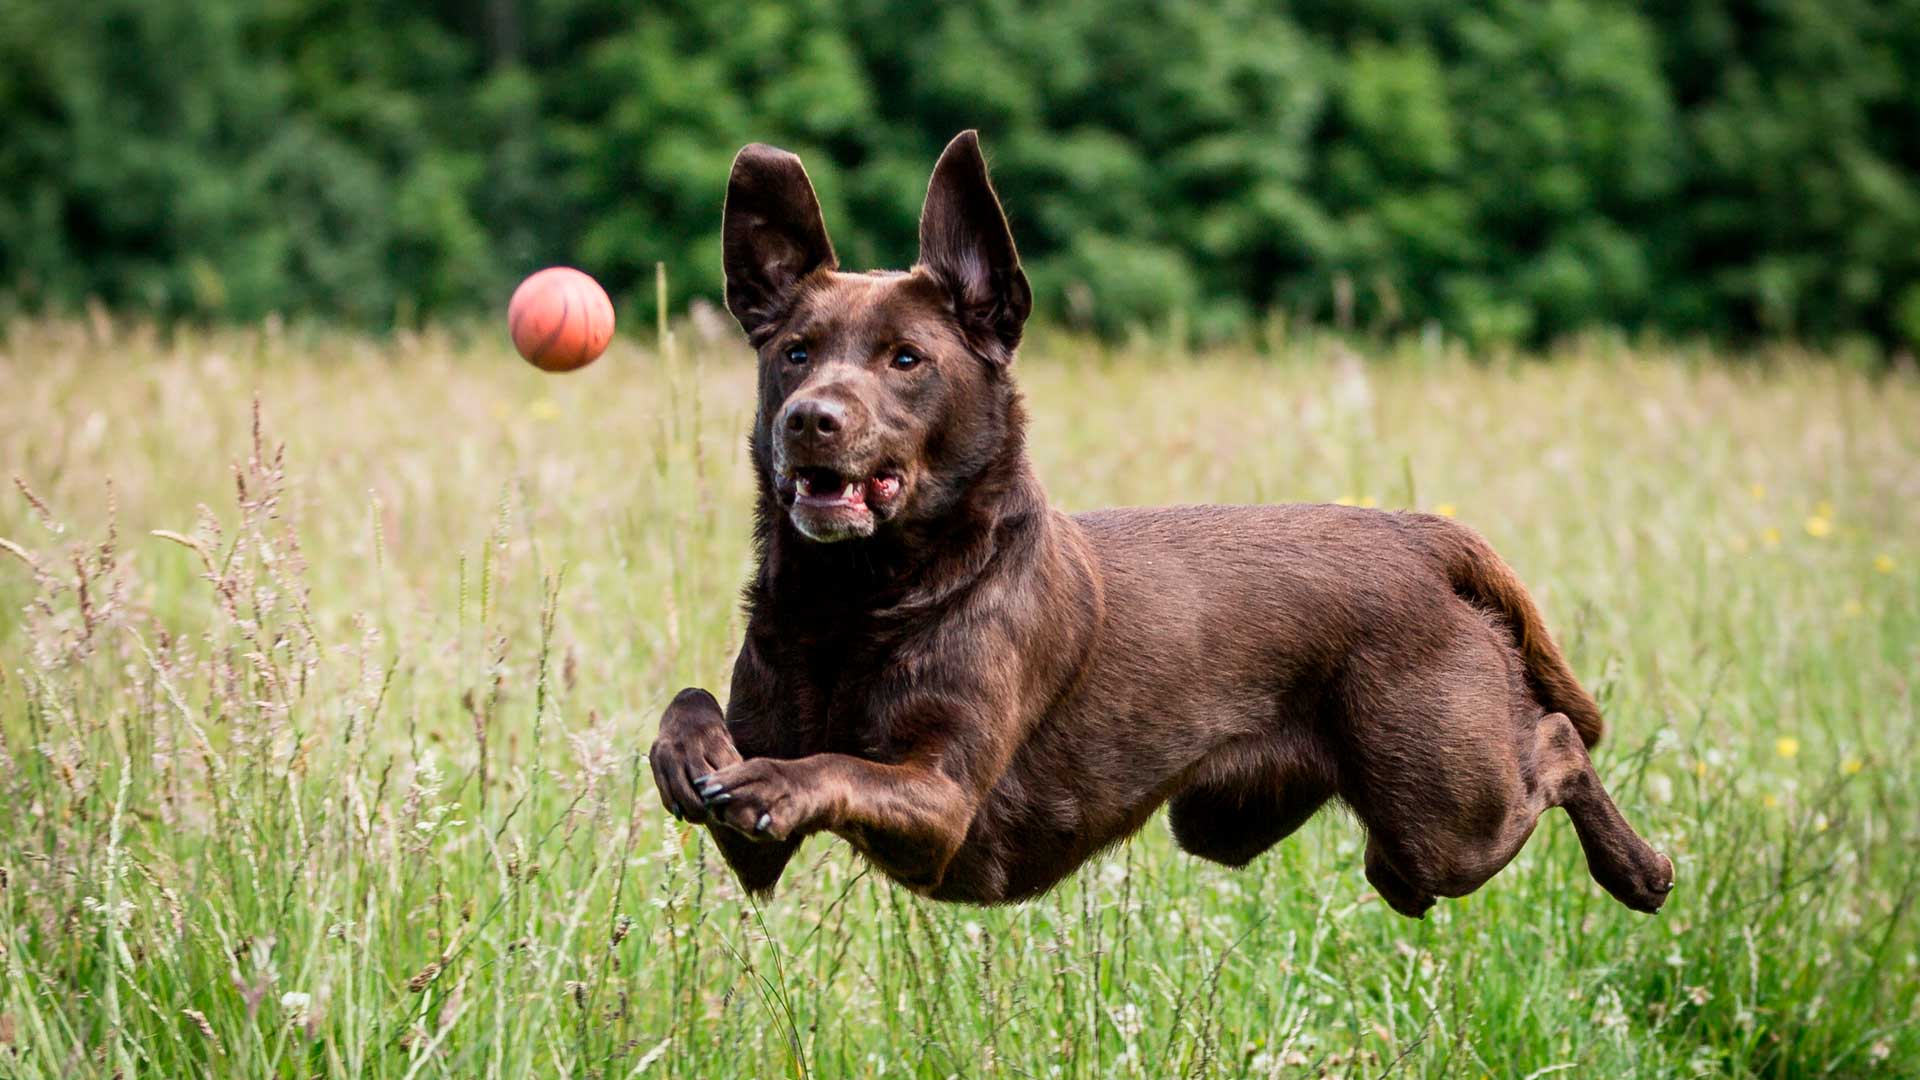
(979, 692)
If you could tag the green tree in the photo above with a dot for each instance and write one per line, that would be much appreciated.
(1511, 169)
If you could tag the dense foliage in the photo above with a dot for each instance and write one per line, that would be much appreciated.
(1512, 169)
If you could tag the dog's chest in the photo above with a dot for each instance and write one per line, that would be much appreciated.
(835, 688)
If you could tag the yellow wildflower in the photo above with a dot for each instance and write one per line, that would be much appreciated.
(1883, 562)
(1447, 510)
(1819, 525)
(1368, 502)
(544, 409)
(1347, 500)
(1823, 508)
(1758, 491)
(1700, 768)
(1770, 536)
(1786, 746)
(1852, 766)
(1853, 609)
(1770, 800)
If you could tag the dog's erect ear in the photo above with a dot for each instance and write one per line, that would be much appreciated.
(772, 236)
(966, 245)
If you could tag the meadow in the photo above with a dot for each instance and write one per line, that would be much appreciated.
(328, 665)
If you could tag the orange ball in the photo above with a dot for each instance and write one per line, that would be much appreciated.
(560, 319)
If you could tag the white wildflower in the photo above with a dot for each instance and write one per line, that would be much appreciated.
(1660, 788)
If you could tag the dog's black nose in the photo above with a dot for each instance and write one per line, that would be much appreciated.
(820, 418)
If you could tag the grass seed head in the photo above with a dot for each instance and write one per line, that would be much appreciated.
(424, 978)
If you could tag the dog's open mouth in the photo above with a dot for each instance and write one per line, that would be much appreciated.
(827, 488)
(831, 505)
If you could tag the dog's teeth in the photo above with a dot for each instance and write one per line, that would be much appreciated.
(852, 490)
(801, 486)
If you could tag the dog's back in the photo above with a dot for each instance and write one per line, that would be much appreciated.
(1300, 579)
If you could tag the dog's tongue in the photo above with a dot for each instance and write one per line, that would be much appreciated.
(882, 488)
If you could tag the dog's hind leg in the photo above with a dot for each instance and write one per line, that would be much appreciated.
(1241, 805)
(1411, 861)
(1623, 863)
(1399, 894)
(1231, 825)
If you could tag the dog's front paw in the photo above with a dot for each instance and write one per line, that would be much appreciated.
(692, 743)
(761, 798)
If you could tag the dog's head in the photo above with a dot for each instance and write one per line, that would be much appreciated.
(883, 395)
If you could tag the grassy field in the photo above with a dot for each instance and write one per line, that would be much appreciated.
(329, 760)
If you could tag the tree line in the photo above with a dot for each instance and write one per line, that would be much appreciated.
(1510, 170)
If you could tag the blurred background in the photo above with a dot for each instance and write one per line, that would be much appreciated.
(1508, 171)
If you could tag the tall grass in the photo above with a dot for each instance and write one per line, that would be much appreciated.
(329, 665)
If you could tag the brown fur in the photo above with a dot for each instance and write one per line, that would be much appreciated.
(979, 692)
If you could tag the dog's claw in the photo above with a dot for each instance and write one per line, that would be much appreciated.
(723, 797)
(711, 788)
(675, 811)
(765, 823)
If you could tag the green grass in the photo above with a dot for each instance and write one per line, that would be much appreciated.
(247, 831)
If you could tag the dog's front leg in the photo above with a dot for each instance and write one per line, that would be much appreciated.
(909, 818)
(952, 739)
(694, 740)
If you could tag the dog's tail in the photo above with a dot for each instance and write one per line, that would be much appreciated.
(1482, 577)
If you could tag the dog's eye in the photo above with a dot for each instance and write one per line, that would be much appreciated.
(797, 354)
(905, 360)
